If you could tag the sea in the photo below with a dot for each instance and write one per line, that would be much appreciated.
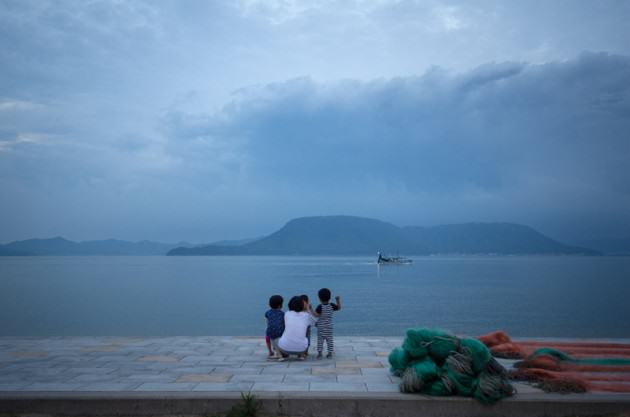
(541, 296)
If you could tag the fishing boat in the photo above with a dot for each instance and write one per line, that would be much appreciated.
(392, 260)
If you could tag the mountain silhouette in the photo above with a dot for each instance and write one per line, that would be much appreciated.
(348, 235)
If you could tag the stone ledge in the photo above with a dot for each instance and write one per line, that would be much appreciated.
(302, 404)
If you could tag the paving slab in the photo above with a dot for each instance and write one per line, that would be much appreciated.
(381, 387)
(273, 378)
(148, 378)
(309, 378)
(51, 386)
(336, 371)
(161, 386)
(193, 370)
(281, 387)
(235, 371)
(337, 387)
(204, 378)
(105, 387)
(363, 379)
(148, 358)
(375, 371)
(91, 378)
(226, 387)
(289, 371)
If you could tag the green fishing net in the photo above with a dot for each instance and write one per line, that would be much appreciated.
(479, 353)
(435, 362)
(425, 369)
(398, 360)
(561, 356)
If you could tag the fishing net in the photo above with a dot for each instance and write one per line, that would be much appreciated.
(426, 369)
(502, 346)
(438, 388)
(417, 342)
(580, 349)
(442, 346)
(566, 366)
(550, 381)
(398, 359)
(540, 362)
(410, 382)
(478, 352)
(555, 360)
(563, 386)
(433, 362)
(508, 351)
(495, 368)
(464, 384)
(564, 357)
(495, 338)
(493, 387)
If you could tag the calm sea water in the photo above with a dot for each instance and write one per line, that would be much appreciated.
(525, 296)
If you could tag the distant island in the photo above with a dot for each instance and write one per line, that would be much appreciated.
(58, 246)
(348, 235)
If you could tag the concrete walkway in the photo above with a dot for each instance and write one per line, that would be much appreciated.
(182, 370)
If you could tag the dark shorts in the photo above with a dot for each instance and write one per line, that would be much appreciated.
(291, 353)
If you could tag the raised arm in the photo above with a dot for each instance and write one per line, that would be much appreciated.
(338, 300)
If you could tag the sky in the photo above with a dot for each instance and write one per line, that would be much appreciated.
(206, 120)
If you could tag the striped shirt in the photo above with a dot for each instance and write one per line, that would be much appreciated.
(325, 312)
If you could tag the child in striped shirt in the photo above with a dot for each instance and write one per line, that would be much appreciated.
(325, 323)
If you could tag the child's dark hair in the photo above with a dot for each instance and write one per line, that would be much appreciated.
(296, 304)
(275, 301)
(324, 295)
(304, 297)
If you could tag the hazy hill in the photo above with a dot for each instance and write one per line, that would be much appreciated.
(4, 251)
(347, 235)
(611, 246)
(53, 246)
(236, 242)
(501, 238)
(59, 246)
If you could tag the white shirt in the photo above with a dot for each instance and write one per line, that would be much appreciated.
(294, 337)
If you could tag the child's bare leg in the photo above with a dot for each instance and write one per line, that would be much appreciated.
(268, 341)
(275, 348)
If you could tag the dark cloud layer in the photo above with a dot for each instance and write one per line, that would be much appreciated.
(543, 144)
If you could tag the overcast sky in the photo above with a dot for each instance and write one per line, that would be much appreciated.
(208, 120)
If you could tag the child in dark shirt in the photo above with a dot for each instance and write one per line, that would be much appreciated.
(275, 325)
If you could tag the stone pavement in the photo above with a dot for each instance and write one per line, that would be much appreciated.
(190, 364)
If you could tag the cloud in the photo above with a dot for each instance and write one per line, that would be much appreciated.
(30, 138)
(17, 105)
(501, 139)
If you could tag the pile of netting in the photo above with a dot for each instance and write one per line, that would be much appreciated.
(434, 362)
(565, 366)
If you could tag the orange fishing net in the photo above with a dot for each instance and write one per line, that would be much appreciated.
(565, 366)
